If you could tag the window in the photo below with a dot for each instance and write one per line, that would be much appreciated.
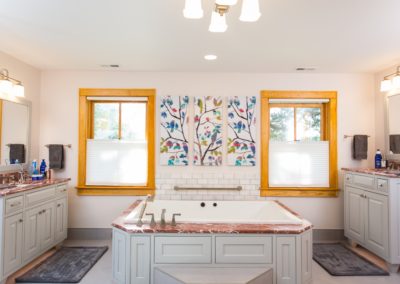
(299, 152)
(116, 141)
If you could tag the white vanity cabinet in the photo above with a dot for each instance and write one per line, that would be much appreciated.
(372, 214)
(32, 222)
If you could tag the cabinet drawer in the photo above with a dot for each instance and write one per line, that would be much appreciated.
(61, 189)
(39, 196)
(14, 204)
(382, 185)
(243, 249)
(182, 249)
(364, 181)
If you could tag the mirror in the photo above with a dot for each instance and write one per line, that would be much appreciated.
(14, 132)
(393, 124)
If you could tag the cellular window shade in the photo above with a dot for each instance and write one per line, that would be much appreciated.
(116, 163)
(299, 164)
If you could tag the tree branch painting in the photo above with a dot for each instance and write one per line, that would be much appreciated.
(208, 131)
(174, 131)
(241, 143)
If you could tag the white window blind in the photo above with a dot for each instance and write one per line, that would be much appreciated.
(299, 164)
(116, 162)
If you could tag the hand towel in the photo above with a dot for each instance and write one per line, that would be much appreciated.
(360, 147)
(56, 156)
(395, 143)
(17, 152)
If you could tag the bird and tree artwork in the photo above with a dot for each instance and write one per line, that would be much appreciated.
(174, 131)
(241, 140)
(207, 131)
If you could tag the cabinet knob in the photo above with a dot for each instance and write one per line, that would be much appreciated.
(59, 205)
(20, 220)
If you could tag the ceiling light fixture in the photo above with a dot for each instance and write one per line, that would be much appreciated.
(210, 57)
(391, 82)
(9, 86)
(250, 12)
(193, 9)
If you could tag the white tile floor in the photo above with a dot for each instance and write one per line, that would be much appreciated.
(101, 272)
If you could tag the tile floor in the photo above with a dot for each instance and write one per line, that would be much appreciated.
(101, 272)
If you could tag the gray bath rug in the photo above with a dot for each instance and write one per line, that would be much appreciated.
(67, 265)
(338, 260)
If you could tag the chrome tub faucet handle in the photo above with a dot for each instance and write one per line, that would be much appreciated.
(173, 223)
(153, 221)
(162, 222)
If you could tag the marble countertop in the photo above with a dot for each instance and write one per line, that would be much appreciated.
(185, 228)
(379, 172)
(29, 185)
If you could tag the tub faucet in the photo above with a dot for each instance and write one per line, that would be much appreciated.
(143, 209)
(162, 222)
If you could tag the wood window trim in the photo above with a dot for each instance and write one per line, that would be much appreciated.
(86, 131)
(329, 134)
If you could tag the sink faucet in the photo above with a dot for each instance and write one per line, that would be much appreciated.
(162, 222)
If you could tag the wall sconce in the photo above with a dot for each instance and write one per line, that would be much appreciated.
(391, 82)
(10, 86)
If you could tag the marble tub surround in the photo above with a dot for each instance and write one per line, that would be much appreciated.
(29, 185)
(209, 228)
(378, 172)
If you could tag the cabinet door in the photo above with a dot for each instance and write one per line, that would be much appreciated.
(354, 214)
(377, 224)
(61, 220)
(47, 226)
(32, 232)
(13, 242)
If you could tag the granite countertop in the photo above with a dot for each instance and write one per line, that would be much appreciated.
(185, 228)
(29, 185)
(378, 172)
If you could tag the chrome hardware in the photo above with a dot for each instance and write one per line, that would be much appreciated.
(162, 222)
(153, 221)
(143, 209)
(173, 223)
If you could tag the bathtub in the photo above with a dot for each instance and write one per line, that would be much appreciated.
(216, 212)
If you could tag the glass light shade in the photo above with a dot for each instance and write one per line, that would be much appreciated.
(386, 85)
(19, 90)
(193, 9)
(226, 2)
(6, 86)
(396, 82)
(218, 23)
(250, 11)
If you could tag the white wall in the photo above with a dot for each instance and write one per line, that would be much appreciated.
(30, 78)
(59, 124)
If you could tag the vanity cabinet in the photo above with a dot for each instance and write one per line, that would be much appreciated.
(33, 221)
(372, 214)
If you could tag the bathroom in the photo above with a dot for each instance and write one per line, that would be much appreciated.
(66, 67)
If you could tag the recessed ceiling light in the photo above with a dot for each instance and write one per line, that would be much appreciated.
(210, 57)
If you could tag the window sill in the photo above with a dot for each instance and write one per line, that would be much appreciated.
(299, 192)
(115, 190)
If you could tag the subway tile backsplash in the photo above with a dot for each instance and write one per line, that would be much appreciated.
(250, 183)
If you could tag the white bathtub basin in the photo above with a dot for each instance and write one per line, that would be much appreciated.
(240, 212)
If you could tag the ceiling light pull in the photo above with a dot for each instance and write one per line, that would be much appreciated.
(193, 9)
(388, 84)
(9, 86)
(218, 19)
(250, 11)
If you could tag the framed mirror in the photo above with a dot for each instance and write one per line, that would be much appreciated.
(392, 133)
(15, 118)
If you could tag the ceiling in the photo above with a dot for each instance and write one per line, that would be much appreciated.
(153, 35)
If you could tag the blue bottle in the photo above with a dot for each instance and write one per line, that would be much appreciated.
(378, 159)
(43, 167)
(33, 169)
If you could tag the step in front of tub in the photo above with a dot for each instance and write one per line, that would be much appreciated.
(212, 275)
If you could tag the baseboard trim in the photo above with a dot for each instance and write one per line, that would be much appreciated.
(319, 235)
(89, 234)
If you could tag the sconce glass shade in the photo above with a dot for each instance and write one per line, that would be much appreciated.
(386, 85)
(19, 90)
(6, 86)
(226, 2)
(396, 82)
(218, 23)
(193, 9)
(250, 11)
